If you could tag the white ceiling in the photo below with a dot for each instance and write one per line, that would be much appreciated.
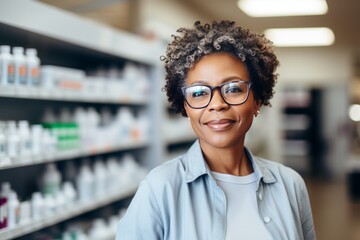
(343, 16)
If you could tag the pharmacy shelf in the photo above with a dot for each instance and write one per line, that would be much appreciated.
(59, 216)
(43, 94)
(70, 154)
(33, 16)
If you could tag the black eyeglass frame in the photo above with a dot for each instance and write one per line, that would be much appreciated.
(212, 88)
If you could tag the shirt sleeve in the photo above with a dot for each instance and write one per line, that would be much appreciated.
(142, 219)
(306, 215)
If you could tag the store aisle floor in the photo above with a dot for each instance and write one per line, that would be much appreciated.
(336, 216)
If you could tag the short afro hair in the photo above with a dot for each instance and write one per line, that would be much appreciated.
(192, 44)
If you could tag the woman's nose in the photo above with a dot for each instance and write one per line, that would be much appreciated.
(217, 102)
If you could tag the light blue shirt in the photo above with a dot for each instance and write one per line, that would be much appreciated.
(180, 200)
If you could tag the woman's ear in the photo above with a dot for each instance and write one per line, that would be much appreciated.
(257, 106)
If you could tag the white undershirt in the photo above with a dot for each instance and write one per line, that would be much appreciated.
(243, 220)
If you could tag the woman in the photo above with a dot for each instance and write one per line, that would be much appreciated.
(219, 76)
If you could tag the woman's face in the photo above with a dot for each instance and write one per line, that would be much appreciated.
(220, 125)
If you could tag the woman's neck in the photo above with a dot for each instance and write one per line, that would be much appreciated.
(227, 160)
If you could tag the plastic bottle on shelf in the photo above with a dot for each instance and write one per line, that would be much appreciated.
(112, 224)
(4, 201)
(36, 132)
(85, 183)
(112, 166)
(124, 120)
(37, 206)
(98, 230)
(6, 66)
(13, 139)
(3, 142)
(20, 66)
(24, 212)
(51, 180)
(13, 209)
(69, 194)
(100, 176)
(33, 67)
(93, 123)
(25, 140)
(143, 125)
(49, 142)
(49, 205)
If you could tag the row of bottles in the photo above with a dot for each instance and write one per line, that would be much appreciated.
(91, 229)
(82, 129)
(20, 140)
(22, 73)
(85, 185)
(19, 68)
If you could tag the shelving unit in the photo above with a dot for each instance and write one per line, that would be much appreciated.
(55, 34)
(42, 94)
(71, 154)
(178, 134)
(301, 131)
(59, 216)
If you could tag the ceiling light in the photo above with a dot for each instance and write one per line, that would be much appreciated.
(300, 37)
(354, 112)
(272, 8)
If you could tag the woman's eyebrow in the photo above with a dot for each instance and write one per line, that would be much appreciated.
(227, 79)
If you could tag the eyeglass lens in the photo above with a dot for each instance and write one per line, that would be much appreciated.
(199, 96)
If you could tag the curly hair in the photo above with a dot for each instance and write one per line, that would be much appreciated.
(224, 36)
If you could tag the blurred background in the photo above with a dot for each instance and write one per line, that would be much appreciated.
(83, 117)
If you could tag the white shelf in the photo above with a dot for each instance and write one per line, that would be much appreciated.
(62, 25)
(78, 209)
(43, 94)
(77, 153)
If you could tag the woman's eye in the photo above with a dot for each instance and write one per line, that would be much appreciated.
(234, 90)
(199, 93)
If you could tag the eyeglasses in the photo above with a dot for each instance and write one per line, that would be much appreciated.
(233, 93)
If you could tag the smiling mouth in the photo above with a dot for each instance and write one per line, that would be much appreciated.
(220, 124)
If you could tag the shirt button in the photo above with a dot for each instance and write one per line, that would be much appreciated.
(267, 219)
(260, 196)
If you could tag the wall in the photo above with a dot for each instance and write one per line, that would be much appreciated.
(165, 16)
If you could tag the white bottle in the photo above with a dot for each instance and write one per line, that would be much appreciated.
(24, 212)
(37, 206)
(51, 180)
(143, 125)
(6, 66)
(25, 140)
(69, 194)
(3, 143)
(124, 120)
(13, 209)
(98, 230)
(13, 140)
(100, 175)
(36, 133)
(33, 67)
(49, 142)
(50, 205)
(113, 171)
(4, 201)
(85, 183)
(20, 66)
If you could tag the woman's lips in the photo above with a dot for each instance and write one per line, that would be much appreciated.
(219, 124)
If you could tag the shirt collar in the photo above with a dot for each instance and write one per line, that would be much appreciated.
(260, 169)
(196, 165)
